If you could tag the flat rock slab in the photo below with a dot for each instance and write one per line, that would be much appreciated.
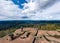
(26, 40)
(42, 36)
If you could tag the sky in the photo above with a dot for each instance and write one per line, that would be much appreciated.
(29, 9)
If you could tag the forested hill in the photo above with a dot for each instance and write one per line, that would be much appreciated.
(17, 23)
(28, 21)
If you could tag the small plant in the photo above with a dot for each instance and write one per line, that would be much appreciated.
(17, 34)
(11, 35)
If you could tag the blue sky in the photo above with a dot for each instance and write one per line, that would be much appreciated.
(19, 2)
(29, 9)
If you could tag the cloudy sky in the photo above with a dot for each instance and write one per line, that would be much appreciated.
(29, 9)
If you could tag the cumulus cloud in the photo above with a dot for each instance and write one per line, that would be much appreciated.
(33, 10)
(9, 9)
(43, 9)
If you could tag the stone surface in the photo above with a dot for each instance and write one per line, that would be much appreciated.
(33, 35)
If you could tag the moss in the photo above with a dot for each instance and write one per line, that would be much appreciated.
(2, 33)
(5, 32)
(56, 36)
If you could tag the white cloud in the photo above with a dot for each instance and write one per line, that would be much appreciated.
(34, 10)
(8, 9)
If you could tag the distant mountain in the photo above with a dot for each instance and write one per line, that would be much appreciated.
(29, 21)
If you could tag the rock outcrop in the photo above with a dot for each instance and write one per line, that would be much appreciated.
(32, 35)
